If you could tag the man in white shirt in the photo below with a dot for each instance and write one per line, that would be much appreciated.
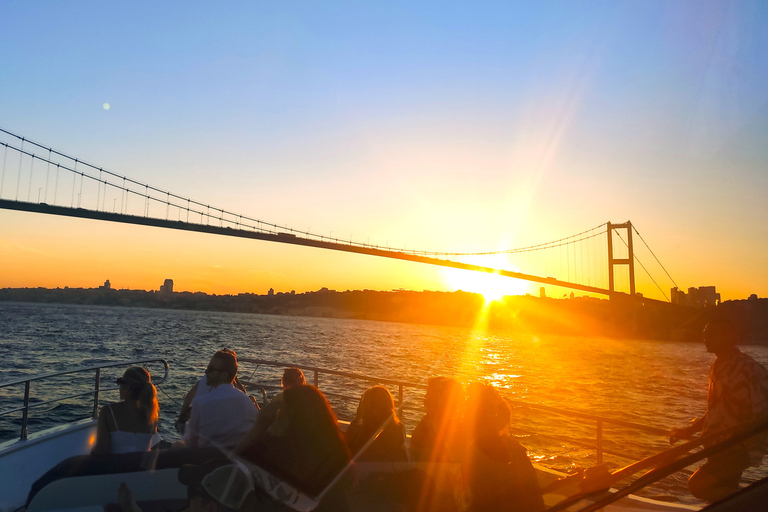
(224, 415)
(200, 388)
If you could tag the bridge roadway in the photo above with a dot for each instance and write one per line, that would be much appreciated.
(287, 238)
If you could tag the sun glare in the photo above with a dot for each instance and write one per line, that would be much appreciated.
(491, 286)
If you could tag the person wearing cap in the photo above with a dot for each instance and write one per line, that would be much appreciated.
(129, 425)
(224, 415)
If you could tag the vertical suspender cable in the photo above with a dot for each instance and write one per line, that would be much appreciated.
(18, 181)
(56, 184)
(98, 191)
(80, 195)
(2, 179)
(74, 177)
(47, 173)
(31, 173)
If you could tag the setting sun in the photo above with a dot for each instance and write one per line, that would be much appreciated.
(491, 286)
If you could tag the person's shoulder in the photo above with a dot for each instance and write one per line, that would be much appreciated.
(211, 396)
(106, 413)
(513, 446)
(116, 407)
(750, 363)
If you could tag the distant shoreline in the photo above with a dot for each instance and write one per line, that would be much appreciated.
(576, 316)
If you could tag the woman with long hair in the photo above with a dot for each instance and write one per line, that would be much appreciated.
(129, 425)
(377, 411)
(310, 453)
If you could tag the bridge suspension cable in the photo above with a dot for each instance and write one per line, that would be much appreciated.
(559, 262)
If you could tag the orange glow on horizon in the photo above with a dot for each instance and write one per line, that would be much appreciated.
(492, 287)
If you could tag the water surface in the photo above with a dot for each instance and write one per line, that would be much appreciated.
(661, 384)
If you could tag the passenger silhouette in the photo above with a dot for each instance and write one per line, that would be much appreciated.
(129, 425)
(271, 419)
(497, 472)
(311, 453)
(737, 394)
(224, 415)
(437, 435)
(200, 388)
(377, 410)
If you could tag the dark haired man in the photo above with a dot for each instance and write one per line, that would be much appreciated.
(224, 415)
(738, 394)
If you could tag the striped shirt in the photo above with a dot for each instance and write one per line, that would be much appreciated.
(738, 393)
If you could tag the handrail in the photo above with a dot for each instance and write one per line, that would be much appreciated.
(317, 371)
(600, 420)
(739, 434)
(95, 367)
(587, 416)
(27, 382)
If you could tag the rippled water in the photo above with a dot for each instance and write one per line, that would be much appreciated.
(661, 384)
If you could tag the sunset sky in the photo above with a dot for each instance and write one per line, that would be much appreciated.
(443, 126)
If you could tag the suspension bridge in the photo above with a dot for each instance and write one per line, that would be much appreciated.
(37, 178)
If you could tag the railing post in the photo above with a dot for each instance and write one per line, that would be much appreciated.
(400, 398)
(599, 441)
(25, 412)
(317, 379)
(96, 394)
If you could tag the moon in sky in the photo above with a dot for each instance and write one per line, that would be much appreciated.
(106, 106)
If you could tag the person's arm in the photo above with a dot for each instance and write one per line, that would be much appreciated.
(187, 404)
(192, 432)
(265, 418)
(759, 391)
(103, 443)
(695, 427)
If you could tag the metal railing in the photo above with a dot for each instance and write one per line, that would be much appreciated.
(97, 388)
(600, 421)
(316, 372)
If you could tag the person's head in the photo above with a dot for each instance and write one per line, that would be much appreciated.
(720, 336)
(376, 406)
(308, 410)
(443, 396)
(292, 377)
(485, 413)
(222, 369)
(136, 386)
(313, 430)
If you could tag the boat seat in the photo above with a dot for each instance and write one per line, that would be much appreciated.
(90, 465)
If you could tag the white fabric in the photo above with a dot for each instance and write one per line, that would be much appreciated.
(129, 442)
(202, 387)
(220, 418)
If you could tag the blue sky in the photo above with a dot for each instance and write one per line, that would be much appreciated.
(441, 125)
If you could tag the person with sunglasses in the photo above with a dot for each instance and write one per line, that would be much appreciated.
(224, 415)
(200, 388)
(129, 425)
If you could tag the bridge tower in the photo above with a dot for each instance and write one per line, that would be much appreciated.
(629, 260)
